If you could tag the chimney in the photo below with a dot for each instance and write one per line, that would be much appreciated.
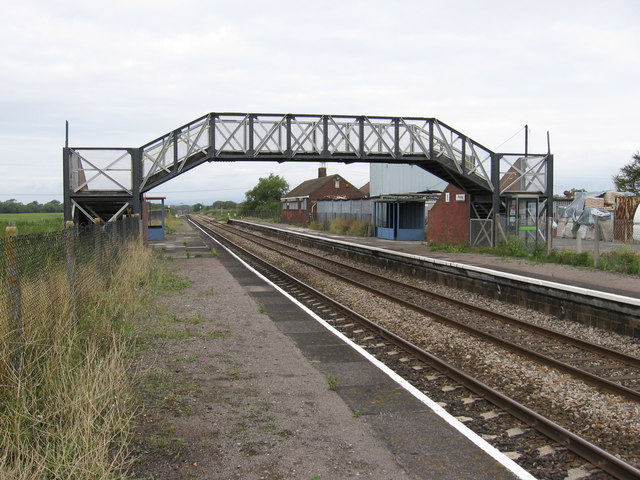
(322, 172)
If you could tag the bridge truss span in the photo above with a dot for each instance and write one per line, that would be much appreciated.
(288, 137)
(222, 137)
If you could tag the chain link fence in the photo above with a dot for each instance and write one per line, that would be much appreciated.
(45, 276)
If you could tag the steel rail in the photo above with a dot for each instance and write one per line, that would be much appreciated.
(594, 347)
(588, 377)
(578, 445)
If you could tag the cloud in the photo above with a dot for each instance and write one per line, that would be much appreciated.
(124, 73)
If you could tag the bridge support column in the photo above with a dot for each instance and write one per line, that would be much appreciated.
(549, 194)
(66, 182)
(136, 180)
(495, 198)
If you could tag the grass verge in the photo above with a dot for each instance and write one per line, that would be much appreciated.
(66, 408)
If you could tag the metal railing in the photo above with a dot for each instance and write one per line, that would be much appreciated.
(231, 136)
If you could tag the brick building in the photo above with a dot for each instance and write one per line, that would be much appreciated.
(299, 205)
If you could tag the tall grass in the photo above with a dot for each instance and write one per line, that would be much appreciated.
(66, 407)
(171, 223)
(351, 227)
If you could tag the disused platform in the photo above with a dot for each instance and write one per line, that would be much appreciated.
(422, 443)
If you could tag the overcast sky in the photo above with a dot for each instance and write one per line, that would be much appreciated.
(125, 72)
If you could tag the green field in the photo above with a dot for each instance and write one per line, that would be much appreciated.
(32, 222)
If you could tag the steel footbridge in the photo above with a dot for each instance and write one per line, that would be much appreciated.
(107, 182)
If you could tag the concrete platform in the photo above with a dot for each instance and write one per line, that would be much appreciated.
(419, 440)
(624, 285)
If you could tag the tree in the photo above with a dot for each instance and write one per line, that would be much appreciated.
(628, 180)
(224, 204)
(266, 195)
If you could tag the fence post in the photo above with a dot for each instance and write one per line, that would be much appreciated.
(97, 242)
(596, 245)
(579, 239)
(71, 266)
(15, 298)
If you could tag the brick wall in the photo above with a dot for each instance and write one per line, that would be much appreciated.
(449, 221)
(295, 217)
(329, 190)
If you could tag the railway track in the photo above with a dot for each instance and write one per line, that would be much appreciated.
(602, 367)
(422, 368)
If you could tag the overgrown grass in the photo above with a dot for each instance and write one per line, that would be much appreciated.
(171, 223)
(620, 260)
(32, 222)
(351, 227)
(319, 226)
(66, 406)
(623, 260)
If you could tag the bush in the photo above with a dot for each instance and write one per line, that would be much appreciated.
(623, 260)
(512, 247)
(569, 257)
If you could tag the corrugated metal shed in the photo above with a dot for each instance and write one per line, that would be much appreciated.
(389, 179)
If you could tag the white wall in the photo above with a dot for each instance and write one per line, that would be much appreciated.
(396, 179)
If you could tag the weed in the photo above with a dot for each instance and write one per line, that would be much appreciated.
(197, 255)
(218, 334)
(315, 477)
(187, 359)
(261, 308)
(620, 260)
(569, 257)
(163, 279)
(196, 319)
(332, 381)
(512, 247)
(357, 414)
(166, 334)
(623, 260)
(350, 226)
(214, 254)
(172, 446)
(188, 255)
(448, 248)
(340, 226)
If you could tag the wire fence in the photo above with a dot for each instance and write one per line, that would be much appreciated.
(45, 275)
